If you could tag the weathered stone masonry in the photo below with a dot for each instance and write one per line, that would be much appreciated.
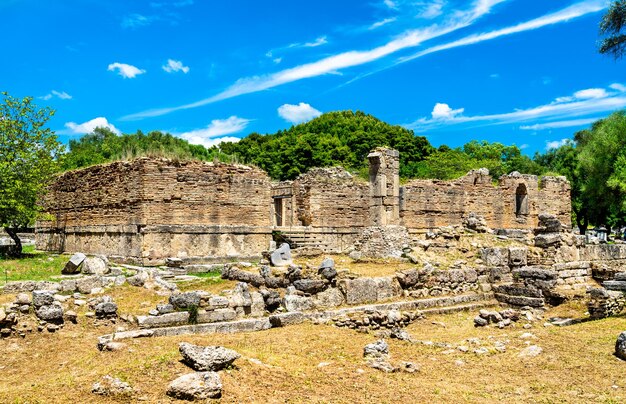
(150, 209)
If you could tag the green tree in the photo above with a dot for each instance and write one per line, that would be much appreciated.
(602, 151)
(611, 26)
(29, 154)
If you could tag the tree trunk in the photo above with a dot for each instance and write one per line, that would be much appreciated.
(16, 250)
(582, 222)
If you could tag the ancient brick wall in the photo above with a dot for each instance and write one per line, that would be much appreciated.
(515, 203)
(149, 209)
(331, 197)
(198, 193)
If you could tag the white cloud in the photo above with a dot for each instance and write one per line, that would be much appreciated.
(575, 111)
(432, 9)
(591, 93)
(136, 20)
(277, 60)
(444, 112)
(216, 132)
(173, 66)
(126, 71)
(566, 14)
(335, 63)
(59, 94)
(318, 42)
(560, 124)
(391, 4)
(619, 87)
(556, 143)
(379, 24)
(298, 113)
(89, 126)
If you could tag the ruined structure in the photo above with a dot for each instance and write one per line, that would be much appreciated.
(148, 210)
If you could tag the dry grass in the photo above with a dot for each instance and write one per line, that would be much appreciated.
(577, 365)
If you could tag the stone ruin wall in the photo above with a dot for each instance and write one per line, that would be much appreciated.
(149, 209)
(331, 198)
(428, 204)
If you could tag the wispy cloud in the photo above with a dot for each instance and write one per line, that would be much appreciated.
(59, 94)
(431, 9)
(73, 128)
(575, 110)
(391, 4)
(137, 20)
(322, 40)
(560, 124)
(335, 63)
(216, 131)
(124, 70)
(173, 66)
(381, 23)
(298, 113)
(575, 11)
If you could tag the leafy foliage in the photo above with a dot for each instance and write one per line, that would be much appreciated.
(447, 163)
(612, 25)
(28, 161)
(102, 146)
(336, 138)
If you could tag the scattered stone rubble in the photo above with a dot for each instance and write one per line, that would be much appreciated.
(206, 382)
(375, 319)
(377, 357)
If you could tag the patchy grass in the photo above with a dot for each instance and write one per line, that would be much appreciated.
(33, 266)
(577, 365)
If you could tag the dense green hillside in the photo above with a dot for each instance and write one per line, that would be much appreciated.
(336, 138)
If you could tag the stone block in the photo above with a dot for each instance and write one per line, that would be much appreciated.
(165, 320)
(535, 273)
(518, 290)
(520, 300)
(284, 319)
(495, 256)
(330, 298)
(95, 266)
(615, 285)
(547, 240)
(518, 256)
(369, 290)
(281, 256)
(298, 303)
(72, 266)
(87, 284)
(217, 315)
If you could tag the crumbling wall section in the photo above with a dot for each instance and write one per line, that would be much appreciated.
(515, 203)
(149, 209)
(331, 198)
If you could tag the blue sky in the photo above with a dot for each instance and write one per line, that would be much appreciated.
(522, 72)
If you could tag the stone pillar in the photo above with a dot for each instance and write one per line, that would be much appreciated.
(384, 187)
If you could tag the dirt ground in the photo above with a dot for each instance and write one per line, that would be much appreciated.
(321, 363)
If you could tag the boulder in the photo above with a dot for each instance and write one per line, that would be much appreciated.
(51, 313)
(236, 274)
(196, 386)
(327, 269)
(87, 284)
(43, 297)
(22, 299)
(549, 223)
(184, 300)
(209, 358)
(294, 302)
(110, 386)
(272, 299)
(95, 266)
(241, 296)
(495, 256)
(620, 346)
(518, 256)
(408, 278)
(106, 310)
(310, 286)
(331, 297)
(138, 280)
(547, 240)
(376, 349)
(72, 266)
(530, 351)
(281, 256)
